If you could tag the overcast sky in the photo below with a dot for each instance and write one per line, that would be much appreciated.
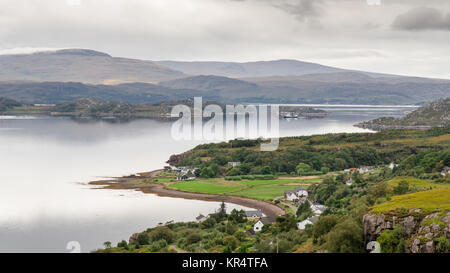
(409, 37)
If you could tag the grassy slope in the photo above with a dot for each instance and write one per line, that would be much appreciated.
(417, 183)
(432, 200)
(258, 189)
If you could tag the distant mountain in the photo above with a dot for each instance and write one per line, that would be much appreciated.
(81, 65)
(222, 86)
(66, 75)
(436, 114)
(250, 69)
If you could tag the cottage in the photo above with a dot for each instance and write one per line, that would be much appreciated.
(254, 214)
(301, 192)
(186, 177)
(366, 169)
(445, 171)
(310, 221)
(234, 164)
(318, 209)
(392, 166)
(350, 182)
(260, 224)
(201, 218)
(291, 196)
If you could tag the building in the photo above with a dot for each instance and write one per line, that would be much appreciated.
(301, 192)
(257, 227)
(254, 214)
(291, 196)
(350, 182)
(366, 169)
(445, 171)
(392, 165)
(318, 209)
(186, 177)
(310, 221)
(234, 164)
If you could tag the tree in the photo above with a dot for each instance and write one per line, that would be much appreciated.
(193, 238)
(324, 225)
(107, 244)
(401, 188)
(207, 172)
(222, 212)
(266, 170)
(231, 241)
(238, 216)
(162, 233)
(143, 239)
(303, 168)
(123, 244)
(304, 210)
(392, 241)
(325, 170)
(230, 228)
(346, 237)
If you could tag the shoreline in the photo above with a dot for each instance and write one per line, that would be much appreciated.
(135, 183)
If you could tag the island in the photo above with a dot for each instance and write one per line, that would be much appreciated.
(436, 114)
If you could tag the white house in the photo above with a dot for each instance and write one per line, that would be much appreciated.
(186, 177)
(366, 169)
(301, 192)
(318, 209)
(445, 171)
(260, 224)
(392, 165)
(291, 196)
(350, 182)
(310, 221)
(234, 164)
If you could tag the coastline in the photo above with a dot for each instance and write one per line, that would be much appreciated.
(135, 183)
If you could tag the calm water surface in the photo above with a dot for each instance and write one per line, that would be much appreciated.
(46, 162)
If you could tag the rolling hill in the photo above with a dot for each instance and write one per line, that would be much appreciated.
(250, 69)
(436, 114)
(81, 65)
(66, 75)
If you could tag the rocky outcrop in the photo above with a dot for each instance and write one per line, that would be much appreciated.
(422, 231)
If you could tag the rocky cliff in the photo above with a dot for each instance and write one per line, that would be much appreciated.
(423, 231)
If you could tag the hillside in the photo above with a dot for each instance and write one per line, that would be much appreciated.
(7, 104)
(436, 114)
(250, 69)
(67, 75)
(63, 92)
(81, 65)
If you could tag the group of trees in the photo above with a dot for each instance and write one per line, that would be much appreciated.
(322, 154)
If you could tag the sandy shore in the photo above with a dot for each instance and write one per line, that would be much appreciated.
(135, 183)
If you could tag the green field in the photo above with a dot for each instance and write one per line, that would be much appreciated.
(430, 201)
(417, 183)
(257, 189)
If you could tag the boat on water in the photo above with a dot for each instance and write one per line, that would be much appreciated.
(290, 115)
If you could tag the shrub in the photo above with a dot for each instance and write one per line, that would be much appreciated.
(143, 239)
(391, 241)
(193, 238)
(160, 233)
(401, 188)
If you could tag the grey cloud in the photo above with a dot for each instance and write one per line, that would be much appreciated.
(422, 18)
(303, 10)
